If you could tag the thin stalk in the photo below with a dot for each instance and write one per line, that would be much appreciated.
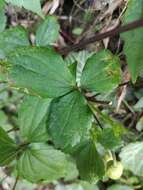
(100, 36)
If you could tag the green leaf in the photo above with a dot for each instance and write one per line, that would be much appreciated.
(132, 158)
(77, 31)
(76, 62)
(32, 119)
(119, 187)
(108, 138)
(41, 70)
(111, 127)
(25, 185)
(12, 39)
(82, 185)
(32, 5)
(72, 172)
(48, 32)
(89, 163)
(7, 148)
(133, 39)
(3, 17)
(69, 120)
(139, 105)
(139, 125)
(41, 162)
(101, 73)
(4, 120)
(88, 186)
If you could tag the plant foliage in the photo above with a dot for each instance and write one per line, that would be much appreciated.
(60, 128)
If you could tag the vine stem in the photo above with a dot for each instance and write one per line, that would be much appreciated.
(15, 183)
(100, 36)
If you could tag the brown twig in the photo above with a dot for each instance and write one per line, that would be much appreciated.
(101, 36)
